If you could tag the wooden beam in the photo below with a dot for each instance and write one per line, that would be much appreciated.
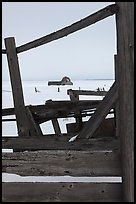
(83, 23)
(106, 128)
(34, 127)
(57, 109)
(25, 123)
(56, 126)
(53, 105)
(53, 142)
(76, 93)
(100, 113)
(15, 77)
(4, 51)
(8, 111)
(116, 113)
(125, 53)
(61, 192)
(8, 119)
(62, 162)
(73, 96)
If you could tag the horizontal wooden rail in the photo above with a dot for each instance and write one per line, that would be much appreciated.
(54, 142)
(93, 18)
(62, 162)
(53, 105)
(86, 92)
(4, 51)
(62, 192)
(8, 119)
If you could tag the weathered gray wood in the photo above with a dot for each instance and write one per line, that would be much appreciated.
(105, 106)
(82, 104)
(59, 143)
(33, 125)
(56, 126)
(76, 93)
(93, 18)
(73, 96)
(41, 116)
(8, 119)
(57, 109)
(58, 83)
(62, 192)
(25, 124)
(8, 111)
(117, 102)
(4, 51)
(106, 128)
(20, 112)
(78, 117)
(62, 162)
(125, 52)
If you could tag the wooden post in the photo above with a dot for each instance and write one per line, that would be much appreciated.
(103, 109)
(116, 111)
(56, 126)
(24, 125)
(125, 52)
(75, 97)
(35, 129)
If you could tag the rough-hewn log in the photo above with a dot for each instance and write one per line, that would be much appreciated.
(61, 192)
(82, 104)
(83, 23)
(54, 142)
(20, 112)
(62, 162)
(105, 106)
(125, 53)
(25, 124)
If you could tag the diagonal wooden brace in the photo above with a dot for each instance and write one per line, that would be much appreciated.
(100, 113)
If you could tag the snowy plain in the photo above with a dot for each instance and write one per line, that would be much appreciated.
(36, 98)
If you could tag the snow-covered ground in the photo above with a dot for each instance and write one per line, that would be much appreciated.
(35, 98)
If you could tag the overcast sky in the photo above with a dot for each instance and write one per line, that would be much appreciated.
(85, 54)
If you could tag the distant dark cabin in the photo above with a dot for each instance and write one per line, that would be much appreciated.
(65, 81)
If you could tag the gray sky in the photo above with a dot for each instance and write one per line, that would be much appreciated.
(85, 54)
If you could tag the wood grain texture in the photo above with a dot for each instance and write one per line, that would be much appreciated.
(125, 53)
(15, 77)
(61, 192)
(54, 142)
(62, 162)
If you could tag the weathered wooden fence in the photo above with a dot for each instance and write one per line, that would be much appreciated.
(94, 152)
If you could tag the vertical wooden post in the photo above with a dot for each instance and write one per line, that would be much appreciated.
(24, 125)
(116, 110)
(125, 52)
(56, 126)
(75, 97)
